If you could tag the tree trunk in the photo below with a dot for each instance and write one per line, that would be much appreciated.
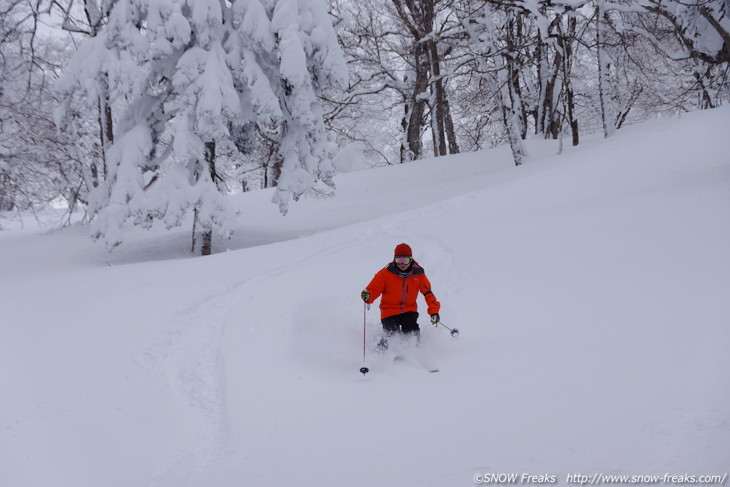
(6, 200)
(437, 103)
(514, 130)
(450, 133)
(106, 124)
(513, 111)
(411, 14)
(551, 117)
(415, 108)
(566, 41)
(95, 17)
(405, 153)
(549, 120)
(604, 71)
(206, 234)
(510, 116)
(705, 98)
(418, 104)
(514, 39)
(272, 164)
(542, 70)
(436, 84)
(207, 243)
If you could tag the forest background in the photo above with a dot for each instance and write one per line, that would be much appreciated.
(152, 111)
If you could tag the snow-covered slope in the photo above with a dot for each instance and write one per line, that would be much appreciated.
(591, 291)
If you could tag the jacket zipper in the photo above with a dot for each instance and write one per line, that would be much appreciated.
(403, 295)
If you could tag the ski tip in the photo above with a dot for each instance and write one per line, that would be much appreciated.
(433, 370)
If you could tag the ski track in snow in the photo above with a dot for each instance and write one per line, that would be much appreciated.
(190, 358)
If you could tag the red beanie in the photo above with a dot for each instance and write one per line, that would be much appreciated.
(403, 250)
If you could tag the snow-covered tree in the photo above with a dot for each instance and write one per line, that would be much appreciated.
(399, 54)
(37, 165)
(283, 54)
(496, 61)
(703, 25)
(183, 74)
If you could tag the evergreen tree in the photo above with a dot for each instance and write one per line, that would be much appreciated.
(190, 71)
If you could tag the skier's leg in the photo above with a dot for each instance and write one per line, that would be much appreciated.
(409, 325)
(390, 326)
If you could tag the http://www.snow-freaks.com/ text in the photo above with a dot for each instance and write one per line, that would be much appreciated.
(599, 479)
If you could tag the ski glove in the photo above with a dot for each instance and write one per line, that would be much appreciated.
(435, 318)
(365, 295)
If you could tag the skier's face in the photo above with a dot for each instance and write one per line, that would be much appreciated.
(402, 262)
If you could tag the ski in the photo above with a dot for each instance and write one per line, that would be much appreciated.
(416, 362)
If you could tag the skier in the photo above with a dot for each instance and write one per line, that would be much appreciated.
(399, 283)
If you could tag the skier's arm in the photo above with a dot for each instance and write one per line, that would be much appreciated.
(433, 305)
(376, 287)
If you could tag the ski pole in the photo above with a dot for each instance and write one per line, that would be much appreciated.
(364, 370)
(454, 331)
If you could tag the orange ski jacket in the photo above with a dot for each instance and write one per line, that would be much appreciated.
(400, 290)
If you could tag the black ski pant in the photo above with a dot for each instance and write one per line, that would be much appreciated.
(405, 323)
